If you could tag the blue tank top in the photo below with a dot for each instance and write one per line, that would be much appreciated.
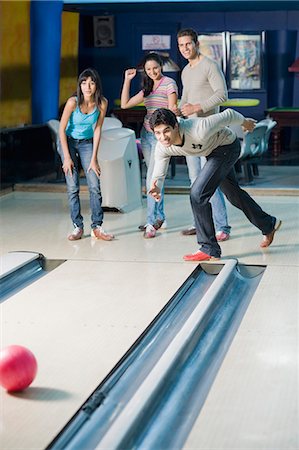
(81, 126)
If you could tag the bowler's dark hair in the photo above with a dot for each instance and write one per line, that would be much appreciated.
(147, 82)
(188, 32)
(163, 116)
(93, 74)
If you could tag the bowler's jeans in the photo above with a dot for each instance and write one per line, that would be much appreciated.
(195, 163)
(219, 171)
(82, 150)
(155, 210)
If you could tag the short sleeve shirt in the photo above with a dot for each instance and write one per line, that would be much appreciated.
(159, 98)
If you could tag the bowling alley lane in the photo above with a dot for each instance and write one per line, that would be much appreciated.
(78, 323)
(80, 318)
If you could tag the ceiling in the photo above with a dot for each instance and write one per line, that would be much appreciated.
(96, 7)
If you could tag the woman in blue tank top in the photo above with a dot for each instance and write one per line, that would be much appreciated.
(79, 134)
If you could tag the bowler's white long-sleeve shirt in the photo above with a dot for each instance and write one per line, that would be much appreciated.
(201, 135)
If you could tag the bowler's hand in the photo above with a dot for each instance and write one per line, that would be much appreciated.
(155, 191)
(248, 124)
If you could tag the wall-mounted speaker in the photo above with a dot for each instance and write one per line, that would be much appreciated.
(103, 31)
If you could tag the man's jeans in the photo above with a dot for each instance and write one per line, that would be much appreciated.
(82, 150)
(155, 210)
(219, 172)
(195, 163)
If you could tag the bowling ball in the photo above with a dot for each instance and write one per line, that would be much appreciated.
(18, 368)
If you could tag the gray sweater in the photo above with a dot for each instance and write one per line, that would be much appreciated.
(201, 135)
(204, 84)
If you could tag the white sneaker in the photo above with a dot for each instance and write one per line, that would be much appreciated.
(99, 233)
(150, 231)
(221, 236)
(76, 234)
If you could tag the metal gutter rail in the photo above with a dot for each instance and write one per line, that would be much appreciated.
(21, 268)
(163, 383)
(17, 270)
(150, 387)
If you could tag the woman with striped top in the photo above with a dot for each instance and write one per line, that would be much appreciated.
(158, 91)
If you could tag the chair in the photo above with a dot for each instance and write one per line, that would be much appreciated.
(252, 149)
(110, 123)
(120, 175)
(270, 123)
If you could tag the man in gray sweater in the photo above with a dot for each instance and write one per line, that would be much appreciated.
(204, 89)
(209, 137)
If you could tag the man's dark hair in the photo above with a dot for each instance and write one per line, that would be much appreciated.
(188, 32)
(163, 116)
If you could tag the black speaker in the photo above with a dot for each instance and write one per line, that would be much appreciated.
(103, 31)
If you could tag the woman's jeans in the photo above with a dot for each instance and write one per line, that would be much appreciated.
(155, 210)
(195, 163)
(82, 150)
(219, 172)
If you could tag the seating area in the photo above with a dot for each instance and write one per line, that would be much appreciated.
(254, 146)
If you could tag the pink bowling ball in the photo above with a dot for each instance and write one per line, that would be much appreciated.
(18, 368)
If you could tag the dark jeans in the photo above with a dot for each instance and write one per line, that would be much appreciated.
(219, 172)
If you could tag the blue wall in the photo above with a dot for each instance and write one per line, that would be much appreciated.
(111, 62)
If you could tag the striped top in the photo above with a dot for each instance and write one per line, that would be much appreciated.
(159, 98)
(81, 126)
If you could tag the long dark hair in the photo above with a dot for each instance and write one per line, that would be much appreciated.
(147, 83)
(93, 74)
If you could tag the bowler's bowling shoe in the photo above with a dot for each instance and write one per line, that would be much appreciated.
(200, 256)
(268, 238)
